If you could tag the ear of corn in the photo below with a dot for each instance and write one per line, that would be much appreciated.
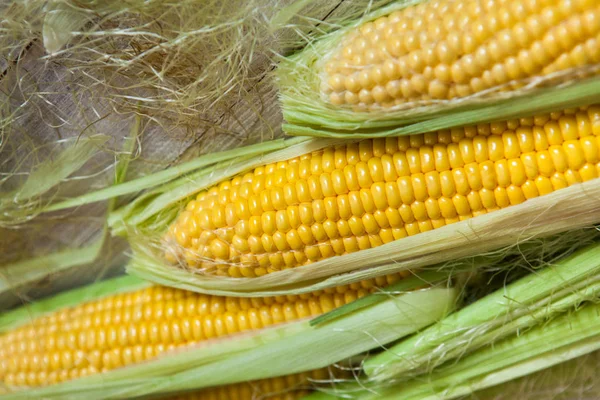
(96, 349)
(16, 318)
(115, 331)
(418, 60)
(360, 196)
(308, 218)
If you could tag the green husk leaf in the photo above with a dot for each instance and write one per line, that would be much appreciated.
(49, 174)
(543, 319)
(168, 175)
(426, 277)
(562, 210)
(59, 23)
(519, 305)
(20, 273)
(308, 114)
(26, 201)
(281, 350)
(22, 315)
(127, 154)
(572, 379)
(52, 171)
(542, 101)
(568, 336)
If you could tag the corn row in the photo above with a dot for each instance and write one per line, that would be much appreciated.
(362, 195)
(133, 327)
(444, 49)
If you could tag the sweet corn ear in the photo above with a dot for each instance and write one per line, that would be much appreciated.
(445, 49)
(129, 328)
(362, 195)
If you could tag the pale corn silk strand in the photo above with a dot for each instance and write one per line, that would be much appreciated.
(362, 195)
(133, 327)
(445, 49)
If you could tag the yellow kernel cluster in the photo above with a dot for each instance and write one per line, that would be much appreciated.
(290, 387)
(446, 49)
(362, 195)
(129, 328)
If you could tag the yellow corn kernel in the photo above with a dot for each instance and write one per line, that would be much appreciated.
(411, 190)
(445, 49)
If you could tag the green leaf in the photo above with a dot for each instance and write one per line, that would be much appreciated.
(58, 167)
(410, 283)
(168, 175)
(526, 302)
(566, 337)
(17, 274)
(20, 273)
(60, 22)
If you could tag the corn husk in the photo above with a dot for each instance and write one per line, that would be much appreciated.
(27, 201)
(277, 351)
(573, 379)
(567, 337)
(534, 323)
(520, 305)
(564, 338)
(60, 24)
(308, 113)
(15, 275)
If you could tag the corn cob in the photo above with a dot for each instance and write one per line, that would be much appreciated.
(442, 50)
(362, 195)
(128, 328)
(402, 68)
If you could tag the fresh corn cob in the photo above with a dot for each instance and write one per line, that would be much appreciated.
(126, 338)
(128, 328)
(362, 195)
(444, 49)
(408, 63)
